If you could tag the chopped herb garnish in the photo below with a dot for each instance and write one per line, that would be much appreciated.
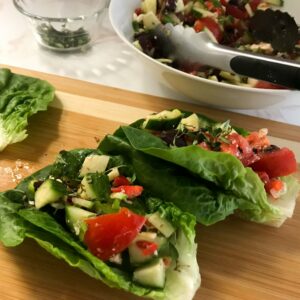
(65, 39)
(136, 26)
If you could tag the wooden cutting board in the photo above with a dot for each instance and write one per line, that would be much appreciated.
(238, 260)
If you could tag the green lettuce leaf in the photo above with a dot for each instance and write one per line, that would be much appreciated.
(18, 220)
(183, 281)
(211, 185)
(167, 181)
(61, 250)
(20, 98)
(12, 227)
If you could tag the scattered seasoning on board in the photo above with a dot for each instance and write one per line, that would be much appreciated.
(16, 173)
(65, 39)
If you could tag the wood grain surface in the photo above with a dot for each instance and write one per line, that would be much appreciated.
(238, 260)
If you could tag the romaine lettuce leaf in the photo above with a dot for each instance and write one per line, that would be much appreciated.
(12, 227)
(51, 234)
(179, 219)
(20, 98)
(174, 184)
(211, 185)
(183, 282)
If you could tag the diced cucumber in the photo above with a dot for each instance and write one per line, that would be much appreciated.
(191, 123)
(275, 2)
(94, 163)
(94, 186)
(86, 190)
(179, 6)
(114, 172)
(163, 120)
(149, 6)
(150, 20)
(75, 217)
(230, 77)
(136, 254)
(50, 191)
(167, 251)
(161, 224)
(153, 274)
(118, 195)
(31, 188)
(170, 18)
(82, 203)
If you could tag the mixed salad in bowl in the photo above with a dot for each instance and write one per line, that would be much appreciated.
(258, 26)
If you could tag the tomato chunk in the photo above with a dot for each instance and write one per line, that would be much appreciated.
(198, 26)
(268, 85)
(236, 12)
(111, 234)
(131, 191)
(212, 25)
(275, 187)
(148, 248)
(258, 140)
(277, 163)
(121, 180)
(254, 4)
(240, 148)
(264, 177)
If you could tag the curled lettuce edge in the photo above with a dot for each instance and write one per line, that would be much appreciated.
(18, 222)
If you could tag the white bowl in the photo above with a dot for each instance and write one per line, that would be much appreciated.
(201, 89)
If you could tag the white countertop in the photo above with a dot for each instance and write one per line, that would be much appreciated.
(109, 62)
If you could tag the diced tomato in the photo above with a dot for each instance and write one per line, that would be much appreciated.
(264, 177)
(254, 4)
(236, 12)
(198, 26)
(148, 248)
(231, 148)
(275, 187)
(138, 11)
(121, 180)
(268, 85)
(209, 5)
(167, 261)
(213, 26)
(213, 8)
(258, 140)
(240, 148)
(280, 162)
(131, 191)
(111, 234)
(224, 2)
(219, 11)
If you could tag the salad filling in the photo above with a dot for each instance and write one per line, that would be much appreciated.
(143, 244)
(253, 149)
(215, 168)
(248, 25)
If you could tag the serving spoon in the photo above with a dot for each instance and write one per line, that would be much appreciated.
(186, 45)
